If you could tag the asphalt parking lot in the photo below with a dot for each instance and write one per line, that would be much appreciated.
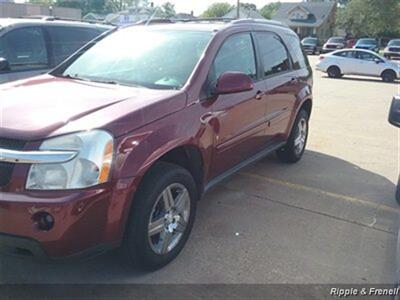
(332, 218)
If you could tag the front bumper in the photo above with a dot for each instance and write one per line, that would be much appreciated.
(84, 221)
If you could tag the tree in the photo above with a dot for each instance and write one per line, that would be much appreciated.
(269, 10)
(248, 6)
(375, 18)
(167, 10)
(217, 10)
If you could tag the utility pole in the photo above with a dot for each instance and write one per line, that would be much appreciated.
(238, 10)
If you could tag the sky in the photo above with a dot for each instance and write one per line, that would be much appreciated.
(199, 6)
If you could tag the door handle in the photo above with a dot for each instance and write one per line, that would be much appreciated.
(259, 95)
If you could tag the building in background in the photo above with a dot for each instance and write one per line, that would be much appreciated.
(244, 13)
(309, 18)
(17, 10)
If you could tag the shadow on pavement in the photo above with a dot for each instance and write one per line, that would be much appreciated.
(331, 174)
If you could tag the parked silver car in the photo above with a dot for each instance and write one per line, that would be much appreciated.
(30, 47)
(393, 49)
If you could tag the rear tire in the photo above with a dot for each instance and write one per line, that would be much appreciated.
(334, 72)
(294, 149)
(388, 76)
(161, 217)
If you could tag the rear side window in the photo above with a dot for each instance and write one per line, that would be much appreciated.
(236, 54)
(66, 40)
(299, 59)
(25, 49)
(346, 54)
(273, 53)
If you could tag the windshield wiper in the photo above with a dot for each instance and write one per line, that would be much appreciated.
(69, 76)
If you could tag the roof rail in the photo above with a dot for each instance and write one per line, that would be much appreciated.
(225, 20)
(48, 18)
(259, 21)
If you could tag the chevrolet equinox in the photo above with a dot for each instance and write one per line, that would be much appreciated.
(117, 144)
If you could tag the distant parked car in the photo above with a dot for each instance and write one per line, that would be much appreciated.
(392, 49)
(394, 119)
(367, 44)
(30, 47)
(333, 44)
(358, 62)
(311, 45)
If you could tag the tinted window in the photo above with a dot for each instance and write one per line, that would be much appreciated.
(348, 54)
(299, 59)
(394, 43)
(365, 56)
(366, 42)
(236, 54)
(66, 40)
(336, 40)
(25, 49)
(310, 41)
(274, 56)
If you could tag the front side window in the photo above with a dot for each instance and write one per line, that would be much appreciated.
(156, 59)
(24, 49)
(235, 55)
(366, 56)
(273, 53)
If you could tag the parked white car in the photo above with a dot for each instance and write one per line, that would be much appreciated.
(358, 62)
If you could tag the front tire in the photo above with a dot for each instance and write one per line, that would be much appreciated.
(294, 149)
(388, 76)
(334, 72)
(161, 217)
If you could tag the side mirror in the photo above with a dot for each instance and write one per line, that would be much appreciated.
(394, 114)
(377, 60)
(233, 82)
(4, 64)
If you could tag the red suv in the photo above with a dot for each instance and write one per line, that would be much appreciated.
(116, 146)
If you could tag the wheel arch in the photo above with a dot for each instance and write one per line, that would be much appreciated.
(389, 70)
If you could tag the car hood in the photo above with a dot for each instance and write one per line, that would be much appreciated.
(45, 106)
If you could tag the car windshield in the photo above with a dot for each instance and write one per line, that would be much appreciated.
(157, 59)
(394, 43)
(310, 41)
(336, 40)
(367, 42)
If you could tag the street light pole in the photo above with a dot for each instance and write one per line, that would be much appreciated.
(238, 10)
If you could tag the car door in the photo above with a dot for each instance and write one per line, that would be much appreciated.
(26, 51)
(281, 83)
(367, 64)
(240, 117)
(347, 62)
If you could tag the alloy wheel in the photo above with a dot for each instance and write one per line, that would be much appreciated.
(169, 218)
(301, 137)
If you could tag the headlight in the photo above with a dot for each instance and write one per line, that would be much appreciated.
(90, 167)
